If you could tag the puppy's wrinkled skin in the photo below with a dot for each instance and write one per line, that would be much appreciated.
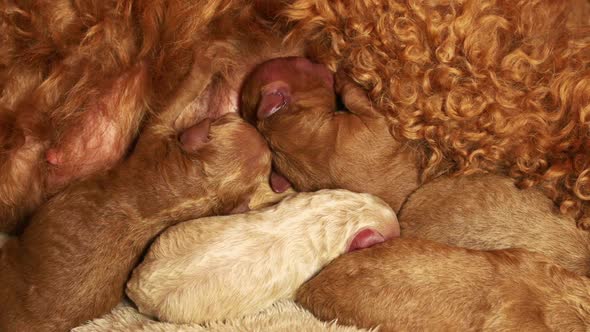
(488, 212)
(317, 148)
(226, 267)
(71, 263)
(411, 284)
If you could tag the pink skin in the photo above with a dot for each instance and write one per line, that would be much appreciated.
(276, 95)
(369, 237)
(99, 136)
(193, 138)
(279, 183)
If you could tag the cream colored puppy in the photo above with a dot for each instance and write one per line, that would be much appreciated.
(226, 267)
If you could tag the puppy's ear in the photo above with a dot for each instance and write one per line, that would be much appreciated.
(272, 101)
(195, 137)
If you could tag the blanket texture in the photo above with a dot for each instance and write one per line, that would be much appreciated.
(282, 316)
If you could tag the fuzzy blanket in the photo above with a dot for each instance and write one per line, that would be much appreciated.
(282, 316)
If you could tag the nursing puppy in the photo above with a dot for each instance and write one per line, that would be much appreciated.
(72, 262)
(293, 104)
(79, 79)
(319, 144)
(226, 267)
(411, 284)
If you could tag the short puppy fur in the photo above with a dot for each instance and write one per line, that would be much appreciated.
(293, 104)
(226, 267)
(488, 212)
(411, 284)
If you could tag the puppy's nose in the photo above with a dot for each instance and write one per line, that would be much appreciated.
(275, 97)
(278, 183)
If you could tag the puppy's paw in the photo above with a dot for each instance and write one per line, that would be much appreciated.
(353, 96)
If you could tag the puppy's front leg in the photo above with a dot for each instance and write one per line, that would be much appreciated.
(355, 99)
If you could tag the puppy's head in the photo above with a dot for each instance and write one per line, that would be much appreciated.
(232, 159)
(316, 141)
(341, 220)
(291, 101)
(290, 85)
(218, 163)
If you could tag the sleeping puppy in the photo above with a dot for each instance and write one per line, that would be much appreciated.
(79, 80)
(411, 284)
(317, 143)
(293, 104)
(488, 212)
(226, 267)
(72, 262)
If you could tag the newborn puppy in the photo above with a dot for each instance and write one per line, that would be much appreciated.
(292, 102)
(410, 284)
(71, 263)
(316, 146)
(227, 267)
(488, 212)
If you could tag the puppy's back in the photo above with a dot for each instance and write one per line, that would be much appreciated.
(488, 212)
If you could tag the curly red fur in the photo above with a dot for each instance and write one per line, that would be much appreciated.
(498, 86)
(77, 79)
(58, 64)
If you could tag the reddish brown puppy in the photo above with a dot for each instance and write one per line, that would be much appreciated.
(293, 103)
(417, 285)
(72, 262)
